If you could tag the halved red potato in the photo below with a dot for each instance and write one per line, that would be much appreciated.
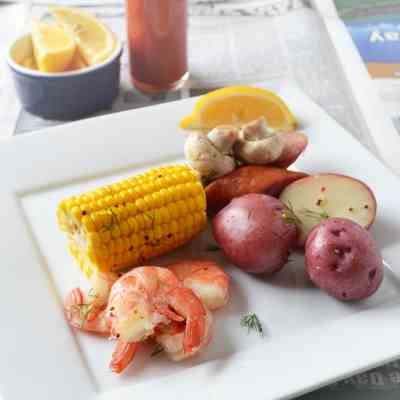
(323, 196)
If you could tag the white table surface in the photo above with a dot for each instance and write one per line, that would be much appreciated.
(307, 57)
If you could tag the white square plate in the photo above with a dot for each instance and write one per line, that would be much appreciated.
(311, 339)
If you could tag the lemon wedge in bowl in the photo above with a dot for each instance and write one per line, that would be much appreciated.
(238, 105)
(53, 48)
(77, 62)
(94, 40)
(29, 62)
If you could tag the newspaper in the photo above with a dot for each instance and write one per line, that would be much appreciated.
(375, 28)
(377, 100)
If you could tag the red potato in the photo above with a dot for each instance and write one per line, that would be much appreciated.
(294, 145)
(323, 196)
(343, 259)
(253, 233)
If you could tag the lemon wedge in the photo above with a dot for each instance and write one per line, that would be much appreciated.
(77, 63)
(29, 62)
(94, 40)
(238, 105)
(53, 48)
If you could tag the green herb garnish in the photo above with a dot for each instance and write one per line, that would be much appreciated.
(289, 216)
(113, 222)
(150, 217)
(318, 215)
(84, 311)
(252, 323)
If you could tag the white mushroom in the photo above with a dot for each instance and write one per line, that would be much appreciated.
(224, 137)
(206, 158)
(257, 145)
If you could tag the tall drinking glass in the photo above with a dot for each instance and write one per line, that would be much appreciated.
(157, 36)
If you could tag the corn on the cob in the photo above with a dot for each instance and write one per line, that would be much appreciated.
(124, 224)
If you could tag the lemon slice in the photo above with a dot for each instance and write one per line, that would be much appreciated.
(53, 48)
(237, 105)
(94, 40)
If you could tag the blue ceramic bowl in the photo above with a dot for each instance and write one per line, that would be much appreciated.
(67, 95)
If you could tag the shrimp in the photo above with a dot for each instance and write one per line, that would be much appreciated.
(123, 355)
(207, 280)
(146, 297)
(171, 338)
(87, 312)
(133, 307)
(85, 316)
(144, 303)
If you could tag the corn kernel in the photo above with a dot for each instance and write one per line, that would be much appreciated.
(174, 227)
(157, 200)
(76, 212)
(125, 229)
(115, 231)
(131, 209)
(182, 209)
(173, 211)
(148, 219)
(141, 204)
(119, 245)
(133, 225)
(200, 202)
(134, 241)
(164, 215)
(165, 195)
(140, 222)
(88, 223)
(158, 232)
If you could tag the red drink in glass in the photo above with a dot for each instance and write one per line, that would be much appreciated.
(157, 38)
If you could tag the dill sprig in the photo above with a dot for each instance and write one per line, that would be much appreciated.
(84, 311)
(289, 216)
(252, 323)
(150, 217)
(157, 350)
(113, 222)
(318, 215)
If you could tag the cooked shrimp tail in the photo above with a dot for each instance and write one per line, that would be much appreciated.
(167, 312)
(189, 306)
(171, 338)
(123, 355)
(85, 316)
